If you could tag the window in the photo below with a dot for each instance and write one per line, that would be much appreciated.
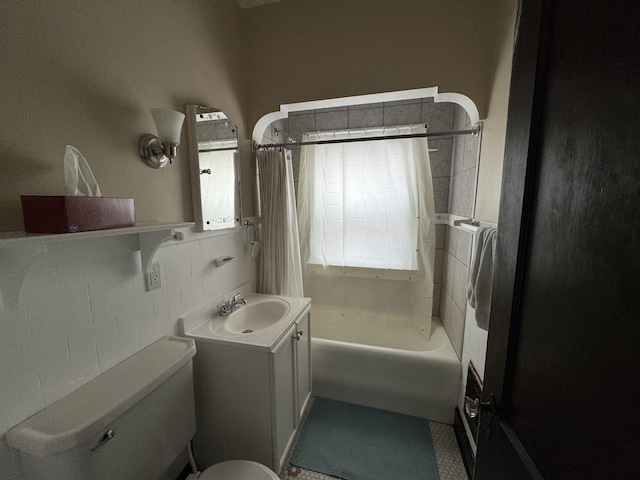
(360, 201)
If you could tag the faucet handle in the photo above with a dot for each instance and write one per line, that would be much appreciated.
(235, 297)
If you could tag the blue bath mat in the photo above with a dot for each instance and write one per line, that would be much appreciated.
(361, 443)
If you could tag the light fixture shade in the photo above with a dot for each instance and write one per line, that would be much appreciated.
(169, 124)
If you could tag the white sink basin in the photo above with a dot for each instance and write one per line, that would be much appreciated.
(255, 316)
(261, 323)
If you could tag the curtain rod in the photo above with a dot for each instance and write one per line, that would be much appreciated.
(473, 131)
(207, 150)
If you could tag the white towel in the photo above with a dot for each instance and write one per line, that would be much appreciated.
(481, 275)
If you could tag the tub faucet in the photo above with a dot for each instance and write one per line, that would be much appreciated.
(231, 306)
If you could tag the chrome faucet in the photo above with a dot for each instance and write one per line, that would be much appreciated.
(231, 306)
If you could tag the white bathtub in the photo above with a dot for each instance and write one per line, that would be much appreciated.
(393, 368)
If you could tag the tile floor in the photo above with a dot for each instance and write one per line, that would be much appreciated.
(450, 464)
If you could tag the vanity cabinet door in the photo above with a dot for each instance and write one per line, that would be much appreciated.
(303, 365)
(283, 396)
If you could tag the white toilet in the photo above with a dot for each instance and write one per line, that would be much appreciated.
(133, 422)
(238, 470)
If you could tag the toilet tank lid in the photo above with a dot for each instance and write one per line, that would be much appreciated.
(86, 411)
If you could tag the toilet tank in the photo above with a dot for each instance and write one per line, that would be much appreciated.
(133, 421)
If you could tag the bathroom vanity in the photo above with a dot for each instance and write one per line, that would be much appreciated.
(252, 377)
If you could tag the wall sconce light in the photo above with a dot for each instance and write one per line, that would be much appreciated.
(157, 151)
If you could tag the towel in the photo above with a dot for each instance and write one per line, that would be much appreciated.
(481, 275)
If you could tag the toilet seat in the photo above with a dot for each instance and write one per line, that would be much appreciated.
(238, 470)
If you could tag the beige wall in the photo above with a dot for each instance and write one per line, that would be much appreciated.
(310, 50)
(495, 123)
(86, 73)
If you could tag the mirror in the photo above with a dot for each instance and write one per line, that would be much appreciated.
(213, 152)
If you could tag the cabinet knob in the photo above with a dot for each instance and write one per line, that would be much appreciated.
(297, 335)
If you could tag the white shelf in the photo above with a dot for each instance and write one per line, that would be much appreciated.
(16, 239)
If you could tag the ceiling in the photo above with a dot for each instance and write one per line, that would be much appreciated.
(254, 3)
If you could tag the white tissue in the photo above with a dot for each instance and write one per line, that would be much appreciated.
(78, 178)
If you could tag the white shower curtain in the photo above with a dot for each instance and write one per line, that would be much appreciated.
(367, 225)
(280, 271)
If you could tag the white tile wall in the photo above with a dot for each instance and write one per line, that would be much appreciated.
(460, 280)
(453, 294)
(363, 301)
(83, 308)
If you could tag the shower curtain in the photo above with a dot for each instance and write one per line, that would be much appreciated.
(279, 268)
(367, 228)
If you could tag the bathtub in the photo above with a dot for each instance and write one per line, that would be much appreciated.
(393, 367)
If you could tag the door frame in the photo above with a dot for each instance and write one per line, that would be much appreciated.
(516, 201)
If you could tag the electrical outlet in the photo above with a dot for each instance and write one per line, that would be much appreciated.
(154, 280)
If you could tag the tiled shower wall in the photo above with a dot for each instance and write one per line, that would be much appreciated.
(453, 296)
(453, 169)
(83, 308)
(439, 116)
(457, 248)
(464, 167)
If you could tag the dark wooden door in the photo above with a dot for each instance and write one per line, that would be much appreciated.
(563, 357)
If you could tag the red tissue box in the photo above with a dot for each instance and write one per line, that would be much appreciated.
(67, 214)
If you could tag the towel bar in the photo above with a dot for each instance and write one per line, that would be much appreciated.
(467, 221)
